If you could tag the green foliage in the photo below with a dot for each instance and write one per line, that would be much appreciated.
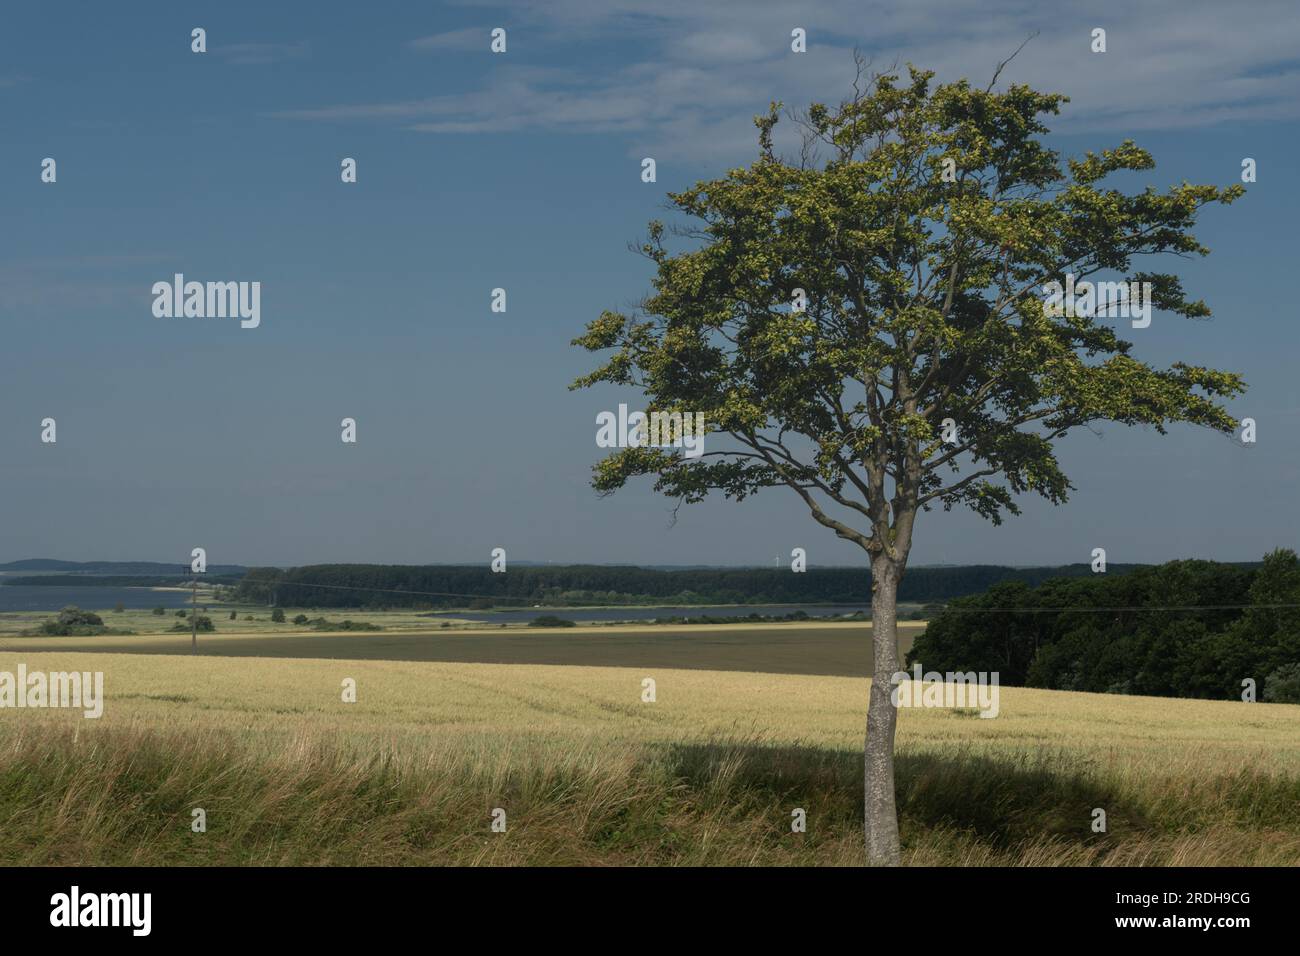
(1186, 629)
(277, 616)
(74, 616)
(159, 611)
(556, 586)
(550, 620)
(924, 303)
(201, 624)
(1283, 685)
(300, 619)
(322, 624)
(73, 621)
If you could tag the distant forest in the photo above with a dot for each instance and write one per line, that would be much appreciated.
(117, 580)
(1183, 629)
(52, 566)
(406, 586)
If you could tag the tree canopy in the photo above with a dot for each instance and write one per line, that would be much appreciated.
(921, 300)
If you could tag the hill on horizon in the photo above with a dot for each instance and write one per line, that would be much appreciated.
(56, 566)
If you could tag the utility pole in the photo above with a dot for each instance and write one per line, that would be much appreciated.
(194, 610)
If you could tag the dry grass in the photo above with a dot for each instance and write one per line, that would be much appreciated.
(588, 774)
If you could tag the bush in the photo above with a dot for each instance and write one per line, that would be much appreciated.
(201, 623)
(359, 626)
(300, 619)
(234, 615)
(277, 616)
(550, 620)
(71, 621)
(160, 611)
(74, 616)
(323, 624)
(181, 613)
(1283, 685)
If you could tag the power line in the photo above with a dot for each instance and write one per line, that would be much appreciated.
(1061, 610)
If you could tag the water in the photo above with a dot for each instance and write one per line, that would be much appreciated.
(650, 613)
(22, 597)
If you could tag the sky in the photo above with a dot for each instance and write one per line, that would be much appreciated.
(521, 170)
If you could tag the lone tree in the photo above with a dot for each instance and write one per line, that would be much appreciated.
(867, 326)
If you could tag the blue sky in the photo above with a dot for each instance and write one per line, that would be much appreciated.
(521, 170)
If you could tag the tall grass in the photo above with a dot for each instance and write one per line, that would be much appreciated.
(588, 775)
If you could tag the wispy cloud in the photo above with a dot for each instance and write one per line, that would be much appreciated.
(702, 70)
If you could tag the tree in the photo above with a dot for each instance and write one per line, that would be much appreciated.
(832, 311)
(550, 620)
(200, 623)
(277, 616)
(73, 616)
(72, 620)
(1268, 635)
(1282, 686)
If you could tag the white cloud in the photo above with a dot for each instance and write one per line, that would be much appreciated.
(701, 71)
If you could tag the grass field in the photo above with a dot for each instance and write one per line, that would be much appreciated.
(589, 774)
(257, 619)
(251, 620)
(793, 648)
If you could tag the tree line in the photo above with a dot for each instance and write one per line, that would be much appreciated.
(1181, 629)
(475, 586)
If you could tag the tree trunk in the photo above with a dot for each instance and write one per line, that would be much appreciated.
(880, 814)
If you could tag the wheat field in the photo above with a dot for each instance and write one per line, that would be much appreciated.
(589, 774)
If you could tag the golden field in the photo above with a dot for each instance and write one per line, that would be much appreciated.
(288, 773)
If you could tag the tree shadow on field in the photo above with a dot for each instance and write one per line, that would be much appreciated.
(1002, 802)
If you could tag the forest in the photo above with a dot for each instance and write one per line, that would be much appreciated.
(477, 587)
(1181, 629)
